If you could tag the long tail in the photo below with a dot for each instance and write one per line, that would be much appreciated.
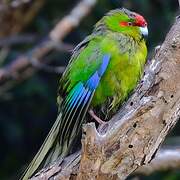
(44, 151)
(67, 126)
(65, 130)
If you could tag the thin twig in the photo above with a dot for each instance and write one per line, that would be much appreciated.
(45, 67)
(17, 39)
(72, 20)
(18, 67)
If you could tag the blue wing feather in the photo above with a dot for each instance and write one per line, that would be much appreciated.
(104, 64)
(78, 101)
(92, 83)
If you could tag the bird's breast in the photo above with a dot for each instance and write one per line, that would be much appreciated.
(122, 75)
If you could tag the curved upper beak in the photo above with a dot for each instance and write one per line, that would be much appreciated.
(144, 31)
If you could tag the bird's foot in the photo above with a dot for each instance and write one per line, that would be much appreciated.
(93, 115)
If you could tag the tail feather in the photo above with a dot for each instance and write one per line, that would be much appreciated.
(67, 126)
(44, 150)
(65, 130)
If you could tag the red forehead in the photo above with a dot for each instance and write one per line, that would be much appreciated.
(140, 21)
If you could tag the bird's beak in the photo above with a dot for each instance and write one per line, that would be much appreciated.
(144, 31)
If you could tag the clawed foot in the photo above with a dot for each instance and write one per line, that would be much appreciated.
(99, 120)
(104, 125)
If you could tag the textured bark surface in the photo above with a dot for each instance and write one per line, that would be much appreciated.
(132, 137)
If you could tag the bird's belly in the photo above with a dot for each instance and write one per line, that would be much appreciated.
(118, 81)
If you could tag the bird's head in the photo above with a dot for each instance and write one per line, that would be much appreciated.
(126, 22)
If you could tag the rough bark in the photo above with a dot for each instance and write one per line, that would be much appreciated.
(133, 136)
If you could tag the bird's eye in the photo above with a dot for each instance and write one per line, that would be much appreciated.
(130, 23)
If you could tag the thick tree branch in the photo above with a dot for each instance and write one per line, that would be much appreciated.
(166, 159)
(21, 67)
(133, 136)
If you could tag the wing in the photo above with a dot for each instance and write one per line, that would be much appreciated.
(77, 86)
(81, 58)
(76, 104)
(78, 93)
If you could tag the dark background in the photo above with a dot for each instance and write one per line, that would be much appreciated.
(28, 110)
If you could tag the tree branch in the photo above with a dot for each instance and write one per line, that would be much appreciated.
(12, 11)
(133, 136)
(21, 67)
(166, 159)
(17, 39)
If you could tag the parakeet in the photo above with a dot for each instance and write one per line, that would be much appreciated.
(104, 68)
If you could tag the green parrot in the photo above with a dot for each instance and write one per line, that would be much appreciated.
(104, 68)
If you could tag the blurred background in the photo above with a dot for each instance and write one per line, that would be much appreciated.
(28, 99)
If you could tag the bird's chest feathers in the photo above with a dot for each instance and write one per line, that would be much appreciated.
(125, 52)
(124, 69)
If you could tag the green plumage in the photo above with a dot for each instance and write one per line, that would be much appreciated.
(127, 50)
